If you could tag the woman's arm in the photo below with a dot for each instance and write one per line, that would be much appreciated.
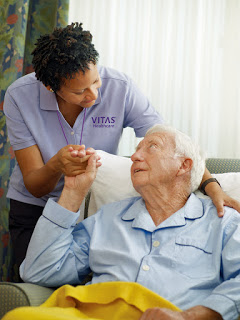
(218, 196)
(40, 178)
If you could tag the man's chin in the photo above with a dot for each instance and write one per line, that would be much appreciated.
(137, 185)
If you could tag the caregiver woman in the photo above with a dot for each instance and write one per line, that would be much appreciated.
(67, 102)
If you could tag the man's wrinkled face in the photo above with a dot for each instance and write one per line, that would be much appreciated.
(153, 162)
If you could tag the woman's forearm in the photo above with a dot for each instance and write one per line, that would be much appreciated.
(41, 178)
(206, 175)
(42, 181)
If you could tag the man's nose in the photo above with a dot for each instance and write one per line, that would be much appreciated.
(137, 156)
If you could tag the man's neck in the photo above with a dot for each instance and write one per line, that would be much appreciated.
(161, 204)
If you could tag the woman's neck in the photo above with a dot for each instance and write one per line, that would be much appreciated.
(69, 111)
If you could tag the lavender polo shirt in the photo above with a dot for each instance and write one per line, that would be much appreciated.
(32, 118)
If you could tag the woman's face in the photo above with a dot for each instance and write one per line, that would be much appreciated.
(82, 90)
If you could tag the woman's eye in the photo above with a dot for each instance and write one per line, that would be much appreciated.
(153, 145)
(81, 92)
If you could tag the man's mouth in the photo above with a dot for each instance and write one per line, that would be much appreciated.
(137, 170)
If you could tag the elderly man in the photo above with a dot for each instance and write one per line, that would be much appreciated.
(167, 240)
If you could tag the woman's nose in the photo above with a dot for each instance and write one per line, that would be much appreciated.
(92, 94)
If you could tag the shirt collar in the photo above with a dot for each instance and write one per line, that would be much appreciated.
(48, 99)
(140, 216)
(193, 209)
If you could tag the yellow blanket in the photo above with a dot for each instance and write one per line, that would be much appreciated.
(108, 301)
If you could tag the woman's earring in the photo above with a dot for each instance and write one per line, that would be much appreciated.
(51, 90)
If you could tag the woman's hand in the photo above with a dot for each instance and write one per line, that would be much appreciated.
(220, 198)
(72, 159)
(81, 152)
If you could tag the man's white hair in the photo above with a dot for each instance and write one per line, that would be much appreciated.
(185, 147)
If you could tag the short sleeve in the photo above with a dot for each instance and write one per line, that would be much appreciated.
(139, 113)
(19, 135)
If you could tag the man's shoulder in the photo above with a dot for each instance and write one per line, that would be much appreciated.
(121, 204)
(110, 213)
(117, 209)
(230, 215)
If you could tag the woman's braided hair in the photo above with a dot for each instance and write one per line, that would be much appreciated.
(60, 55)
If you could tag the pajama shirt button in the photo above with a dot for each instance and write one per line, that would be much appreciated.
(146, 267)
(156, 243)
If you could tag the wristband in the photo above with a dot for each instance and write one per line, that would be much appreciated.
(205, 183)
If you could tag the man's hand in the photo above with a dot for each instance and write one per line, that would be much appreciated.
(195, 313)
(76, 188)
(161, 314)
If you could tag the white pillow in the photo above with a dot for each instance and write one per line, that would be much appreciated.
(230, 183)
(113, 182)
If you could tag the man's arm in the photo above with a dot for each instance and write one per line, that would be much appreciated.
(58, 250)
(76, 188)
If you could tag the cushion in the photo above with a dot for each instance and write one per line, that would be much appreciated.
(230, 183)
(113, 182)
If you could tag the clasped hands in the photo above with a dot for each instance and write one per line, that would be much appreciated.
(72, 160)
(84, 166)
(80, 171)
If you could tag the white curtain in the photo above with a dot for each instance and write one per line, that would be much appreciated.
(185, 57)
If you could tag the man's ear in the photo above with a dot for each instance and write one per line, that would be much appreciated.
(186, 166)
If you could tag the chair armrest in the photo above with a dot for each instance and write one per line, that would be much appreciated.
(15, 295)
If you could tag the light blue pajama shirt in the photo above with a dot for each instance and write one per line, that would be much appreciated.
(192, 258)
